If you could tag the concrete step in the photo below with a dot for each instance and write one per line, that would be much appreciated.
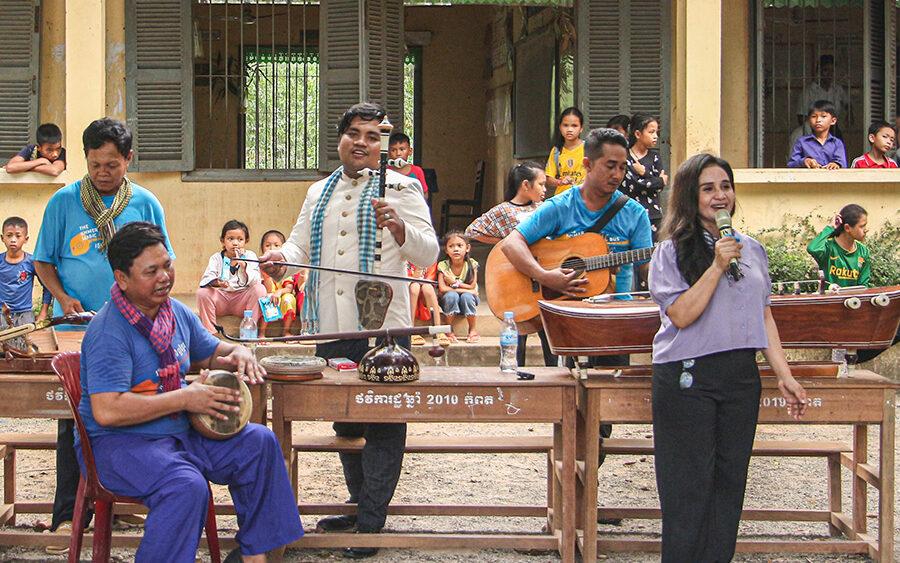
(486, 323)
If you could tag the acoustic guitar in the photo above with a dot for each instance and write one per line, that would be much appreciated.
(510, 290)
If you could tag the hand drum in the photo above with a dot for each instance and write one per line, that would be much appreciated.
(216, 428)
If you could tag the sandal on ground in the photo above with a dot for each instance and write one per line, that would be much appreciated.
(443, 339)
(473, 338)
(64, 529)
(452, 338)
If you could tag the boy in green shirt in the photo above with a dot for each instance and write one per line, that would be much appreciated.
(839, 250)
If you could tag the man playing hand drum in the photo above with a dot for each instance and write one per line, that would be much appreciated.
(135, 404)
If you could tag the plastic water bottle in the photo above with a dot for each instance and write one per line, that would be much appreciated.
(509, 342)
(248, 325)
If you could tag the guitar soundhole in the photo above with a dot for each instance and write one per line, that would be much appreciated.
(574, 264)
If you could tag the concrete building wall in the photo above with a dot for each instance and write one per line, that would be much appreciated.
(455, 97)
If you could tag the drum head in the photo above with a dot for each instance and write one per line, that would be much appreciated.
(216, 428)
(293, 368)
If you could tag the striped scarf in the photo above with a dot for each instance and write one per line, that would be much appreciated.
(159, 332)
(365, 227)
(103, 216)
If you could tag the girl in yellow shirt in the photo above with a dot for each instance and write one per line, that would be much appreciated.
(565, 166)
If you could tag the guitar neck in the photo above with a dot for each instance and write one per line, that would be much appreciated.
(617, 258)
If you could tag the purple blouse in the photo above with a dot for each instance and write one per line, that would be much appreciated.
(734, 317)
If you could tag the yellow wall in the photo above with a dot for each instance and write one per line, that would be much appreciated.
(735, 116)
(765, 196)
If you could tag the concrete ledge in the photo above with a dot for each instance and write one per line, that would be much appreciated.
(34, 178)
(807, 176)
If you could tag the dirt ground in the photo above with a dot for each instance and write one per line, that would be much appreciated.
(514, 479)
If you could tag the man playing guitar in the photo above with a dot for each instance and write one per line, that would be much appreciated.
(578, 210)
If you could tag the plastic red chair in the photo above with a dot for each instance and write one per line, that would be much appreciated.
(68, 368)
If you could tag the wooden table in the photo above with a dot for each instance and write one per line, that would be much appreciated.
(861, 400)
(446, 394)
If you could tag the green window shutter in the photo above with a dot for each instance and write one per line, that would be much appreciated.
(874, 107)
(340, 32)
(598, 60)
(158, 84)
(890, 67)
(18, 75)
(622, 60)
(384, 53)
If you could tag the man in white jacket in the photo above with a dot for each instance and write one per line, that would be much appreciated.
(335, 229)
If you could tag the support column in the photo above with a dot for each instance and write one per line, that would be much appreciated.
(85, 75)
(697, 92)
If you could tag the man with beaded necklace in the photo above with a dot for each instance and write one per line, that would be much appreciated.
(70, 257)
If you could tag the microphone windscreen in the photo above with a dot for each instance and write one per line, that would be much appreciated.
(723, 219)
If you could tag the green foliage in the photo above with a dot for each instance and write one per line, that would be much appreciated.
(789, 261)
(884, 248)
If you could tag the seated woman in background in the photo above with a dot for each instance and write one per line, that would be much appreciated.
(526, 185)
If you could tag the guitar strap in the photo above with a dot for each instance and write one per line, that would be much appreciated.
(610, 213)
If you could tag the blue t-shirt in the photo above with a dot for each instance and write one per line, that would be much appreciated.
(115, 357)
(16, 283)
(566, 214)
(69, 240)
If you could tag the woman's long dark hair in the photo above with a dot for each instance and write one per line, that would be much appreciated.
(850, 215)
(682, 220)
(523, 172)
(558, 140)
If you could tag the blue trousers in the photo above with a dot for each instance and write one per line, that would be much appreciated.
(169, 475)
(459, 303)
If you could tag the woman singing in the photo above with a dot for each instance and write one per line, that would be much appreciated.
(706, 385)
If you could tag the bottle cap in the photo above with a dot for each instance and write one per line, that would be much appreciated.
(508, 315)
(248, 313)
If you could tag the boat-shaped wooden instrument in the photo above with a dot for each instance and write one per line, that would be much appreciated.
(865, 318)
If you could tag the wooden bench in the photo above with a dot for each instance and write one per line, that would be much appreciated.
(432, 445)
(833, 451)
(9, 444)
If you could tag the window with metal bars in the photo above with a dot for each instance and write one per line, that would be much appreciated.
(281, 124)
(820, 49)
(256, 84)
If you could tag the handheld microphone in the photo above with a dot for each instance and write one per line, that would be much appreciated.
(723, 222)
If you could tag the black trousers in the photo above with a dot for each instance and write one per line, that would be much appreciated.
(549, 358)
(371, 475)
(67, 474)
(703, 437)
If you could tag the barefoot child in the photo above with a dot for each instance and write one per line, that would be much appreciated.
(565, 166)
(457, 282)
(280, 287)
(229, 285)
(17, 280)
(432, 310)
